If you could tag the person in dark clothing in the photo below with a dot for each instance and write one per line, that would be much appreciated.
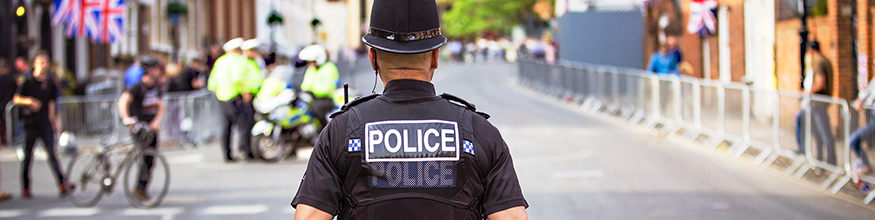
(188, 79)
(818, 80)
(358, 169)
(21, 66)
(8, 86)
(142, 104)
(39, 93)
(213, 54)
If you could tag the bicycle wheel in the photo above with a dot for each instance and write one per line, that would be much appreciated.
(146, 183)
(85, 175)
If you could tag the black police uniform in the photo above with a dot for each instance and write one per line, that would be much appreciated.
(454, 163)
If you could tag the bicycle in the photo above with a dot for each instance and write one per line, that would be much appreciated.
(90, 174)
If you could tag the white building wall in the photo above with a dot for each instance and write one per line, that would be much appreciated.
(296, 32)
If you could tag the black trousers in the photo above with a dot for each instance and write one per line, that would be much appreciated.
(48, 137)
(321, 108)
(146, 141)
(243, 115)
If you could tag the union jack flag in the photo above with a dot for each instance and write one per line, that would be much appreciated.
(112, 14)
(101, 20)
(703, 21)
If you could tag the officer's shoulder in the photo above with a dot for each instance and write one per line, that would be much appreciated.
(465, 104)
(354, 102)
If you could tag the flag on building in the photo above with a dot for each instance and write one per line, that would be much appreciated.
(100, 20)
(703, 20)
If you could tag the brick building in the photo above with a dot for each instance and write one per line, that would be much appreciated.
(757, 41)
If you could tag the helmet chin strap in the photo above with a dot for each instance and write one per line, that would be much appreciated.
(374, 90)
(376, 73)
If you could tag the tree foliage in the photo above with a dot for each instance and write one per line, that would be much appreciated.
(470, 18)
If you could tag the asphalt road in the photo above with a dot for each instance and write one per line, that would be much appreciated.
(572, 165)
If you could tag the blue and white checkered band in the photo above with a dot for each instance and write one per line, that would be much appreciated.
(468, 147)
(355, 145)
(412, 141)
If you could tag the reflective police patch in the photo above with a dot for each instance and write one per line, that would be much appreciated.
(411, 140)
(354, 145)
(421, 174)
(468, 147)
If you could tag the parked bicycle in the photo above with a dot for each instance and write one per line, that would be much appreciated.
(91, 176)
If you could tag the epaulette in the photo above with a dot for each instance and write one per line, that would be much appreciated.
(463, 103)
(352, 103)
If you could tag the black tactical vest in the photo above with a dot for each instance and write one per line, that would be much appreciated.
(411, 160)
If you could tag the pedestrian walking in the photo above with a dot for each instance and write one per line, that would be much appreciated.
(866, 99)
(229, 81)
(818, 80)
(142, 104)
(39, 94)
(456, 166)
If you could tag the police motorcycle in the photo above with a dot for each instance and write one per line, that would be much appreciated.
(284, 120)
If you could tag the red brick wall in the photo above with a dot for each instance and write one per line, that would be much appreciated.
(736, 38)
(844, 62)
(787, 66)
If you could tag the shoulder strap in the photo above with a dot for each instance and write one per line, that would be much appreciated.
(354, 102)
(463, 103)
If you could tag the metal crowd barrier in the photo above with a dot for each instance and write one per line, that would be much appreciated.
(191, 119)
(744, 119)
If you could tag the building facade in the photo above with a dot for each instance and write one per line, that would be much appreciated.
(147, 31)
(757, 41)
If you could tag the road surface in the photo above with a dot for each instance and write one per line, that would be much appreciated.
(572, 165)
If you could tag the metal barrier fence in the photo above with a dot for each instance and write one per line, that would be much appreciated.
(191, 119)
(810, 132)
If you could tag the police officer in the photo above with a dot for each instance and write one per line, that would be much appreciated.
(321, 79)
(230, 81)
(408, 153)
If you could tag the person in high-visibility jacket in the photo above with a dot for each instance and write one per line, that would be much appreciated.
(230, 81)
(254, 71)
(321, 79)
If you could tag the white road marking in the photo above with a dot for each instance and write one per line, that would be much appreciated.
(12, 213)
(304, 154)
(66, 212)
(577, 156)
(182, 200)
(165, 213)
(185, 159)
(578, 174)
(721, 206)
(235, 210)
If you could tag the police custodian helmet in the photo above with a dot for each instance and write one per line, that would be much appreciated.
(405, 26)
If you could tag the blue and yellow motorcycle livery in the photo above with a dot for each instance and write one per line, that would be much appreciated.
(284, 121)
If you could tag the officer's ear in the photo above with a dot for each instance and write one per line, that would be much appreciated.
(435, 55)
(372, 55)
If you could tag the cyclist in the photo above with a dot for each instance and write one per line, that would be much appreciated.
(142, 104)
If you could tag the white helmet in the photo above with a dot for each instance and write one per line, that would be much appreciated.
(314, 53)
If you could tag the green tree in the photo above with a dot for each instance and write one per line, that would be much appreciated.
(470, 18)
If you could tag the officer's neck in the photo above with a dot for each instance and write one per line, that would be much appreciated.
(396, 74)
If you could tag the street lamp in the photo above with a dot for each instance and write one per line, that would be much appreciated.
(803, 39)
(177, 10)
